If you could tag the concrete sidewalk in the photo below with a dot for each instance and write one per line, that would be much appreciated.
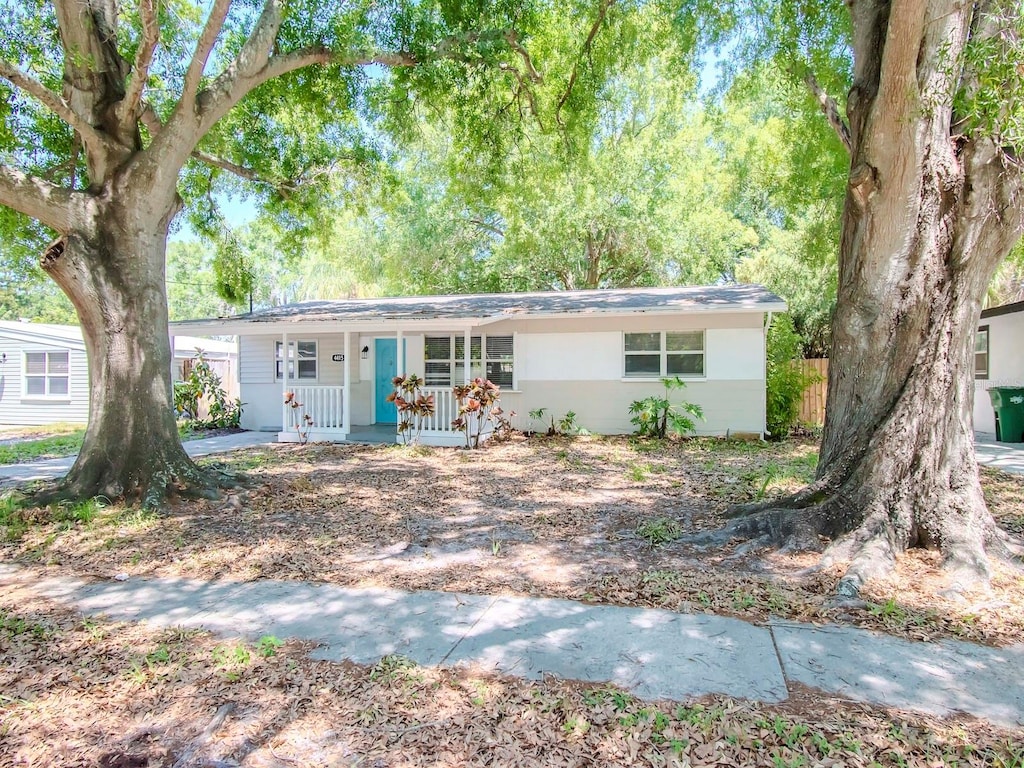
(653, 653)
(1008, 457)
(50, 469)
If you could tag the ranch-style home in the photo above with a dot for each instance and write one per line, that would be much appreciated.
(589, 352)
(44, 373)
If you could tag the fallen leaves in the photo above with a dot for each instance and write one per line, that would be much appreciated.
(588, 518)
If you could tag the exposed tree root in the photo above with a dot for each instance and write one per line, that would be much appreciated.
(967, 538)
(180, 480)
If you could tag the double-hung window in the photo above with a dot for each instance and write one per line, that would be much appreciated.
(654, 354)
(301, 360)
(981, 353)
(444, 361)
(47, 374)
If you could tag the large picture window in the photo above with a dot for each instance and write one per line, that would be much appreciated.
(654, 354)
(445, 359)
(981, 353)
(301, 360)
(47, 374)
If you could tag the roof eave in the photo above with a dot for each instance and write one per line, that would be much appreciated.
(253, 326)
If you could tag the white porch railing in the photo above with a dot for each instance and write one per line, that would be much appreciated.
(445, 409)
(323, 404)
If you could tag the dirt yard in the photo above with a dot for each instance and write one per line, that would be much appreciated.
(593, 519)
(589, 519)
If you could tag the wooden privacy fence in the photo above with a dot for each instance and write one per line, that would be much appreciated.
(812, 407)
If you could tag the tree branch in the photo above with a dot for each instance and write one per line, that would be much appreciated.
(51, 101)
(241, 171)
(531, 71)
(47, 203)
(143, 58)
(204, 47)
(831, 111)
(290, 62)
(602, 13)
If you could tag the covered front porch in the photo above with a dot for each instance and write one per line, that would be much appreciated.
(358, 409)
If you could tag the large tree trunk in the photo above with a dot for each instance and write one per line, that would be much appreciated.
(929, 215)
(114, 276)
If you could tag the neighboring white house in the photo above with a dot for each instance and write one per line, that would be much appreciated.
(590, 352)
(44, 376)
(998, 359)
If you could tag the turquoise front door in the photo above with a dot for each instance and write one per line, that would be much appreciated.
(384, 372)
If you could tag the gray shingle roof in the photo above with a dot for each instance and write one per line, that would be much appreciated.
(628, 300)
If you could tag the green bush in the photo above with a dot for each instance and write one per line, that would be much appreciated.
(203, 382)
(656, 416)
(786, 379)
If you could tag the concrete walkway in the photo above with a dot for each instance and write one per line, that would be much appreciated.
(1008, 457)
(653, 653)
(49, 469)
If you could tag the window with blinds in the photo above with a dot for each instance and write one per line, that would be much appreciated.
(444, 359)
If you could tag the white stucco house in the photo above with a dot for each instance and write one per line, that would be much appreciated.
(998, 359)
(590, 352)
(44, 373)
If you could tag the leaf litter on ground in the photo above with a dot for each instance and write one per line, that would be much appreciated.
(87, 692)
(589, 518)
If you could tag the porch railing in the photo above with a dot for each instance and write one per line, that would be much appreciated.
(445, 409)
(323, 404)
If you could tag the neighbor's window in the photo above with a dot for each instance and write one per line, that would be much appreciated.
(46, 374)
(663, 353)
(444, 361)
(301, 360)
(981, 353)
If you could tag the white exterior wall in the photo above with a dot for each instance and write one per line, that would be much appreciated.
(262, 396)
(1005, 367)
(561, 364)
(18, 408)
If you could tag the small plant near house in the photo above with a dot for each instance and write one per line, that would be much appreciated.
(203, 387)
(304, 424)
(564, 426)
(414, 408)
(656, 416)
(478, 406)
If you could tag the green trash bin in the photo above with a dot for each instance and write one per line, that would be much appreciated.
(1008, 403)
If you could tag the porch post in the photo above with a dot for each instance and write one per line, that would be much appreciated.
(399, 354)
(346, 393)
(467, 355)
(284, 380)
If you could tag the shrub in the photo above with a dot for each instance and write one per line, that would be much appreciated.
(478, 406)
(203, 385)
(656, 416)
(413, 406)
(786, 380)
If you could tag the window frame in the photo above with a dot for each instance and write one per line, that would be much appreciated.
(979, 374)
(293, 373)
(663, 355)
(46, 376)
(478, 364)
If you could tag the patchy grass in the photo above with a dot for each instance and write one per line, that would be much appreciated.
(82, 691)
(58, 440)
(51, 447)
(551, 517)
